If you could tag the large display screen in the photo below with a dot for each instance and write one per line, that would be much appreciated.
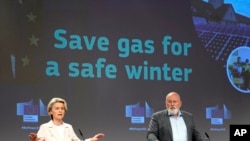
(115, 61)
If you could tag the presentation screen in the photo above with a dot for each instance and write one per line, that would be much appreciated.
(115, 61)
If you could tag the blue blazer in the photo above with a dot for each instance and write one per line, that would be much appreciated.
(160, 128)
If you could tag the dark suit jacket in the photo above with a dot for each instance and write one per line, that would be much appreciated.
(160, 128)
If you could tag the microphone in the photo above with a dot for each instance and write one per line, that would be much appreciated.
(81, 134)
(207, 136)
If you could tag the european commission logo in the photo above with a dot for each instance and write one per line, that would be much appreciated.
(138, 113)
(31, 112)
(217, 115)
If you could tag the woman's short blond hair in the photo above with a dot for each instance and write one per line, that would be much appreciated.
(55, 100)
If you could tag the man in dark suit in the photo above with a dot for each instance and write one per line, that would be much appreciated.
(173, 124)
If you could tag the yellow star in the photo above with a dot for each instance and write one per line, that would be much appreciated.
(31, 17)
(26, 61)
(33, 40)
